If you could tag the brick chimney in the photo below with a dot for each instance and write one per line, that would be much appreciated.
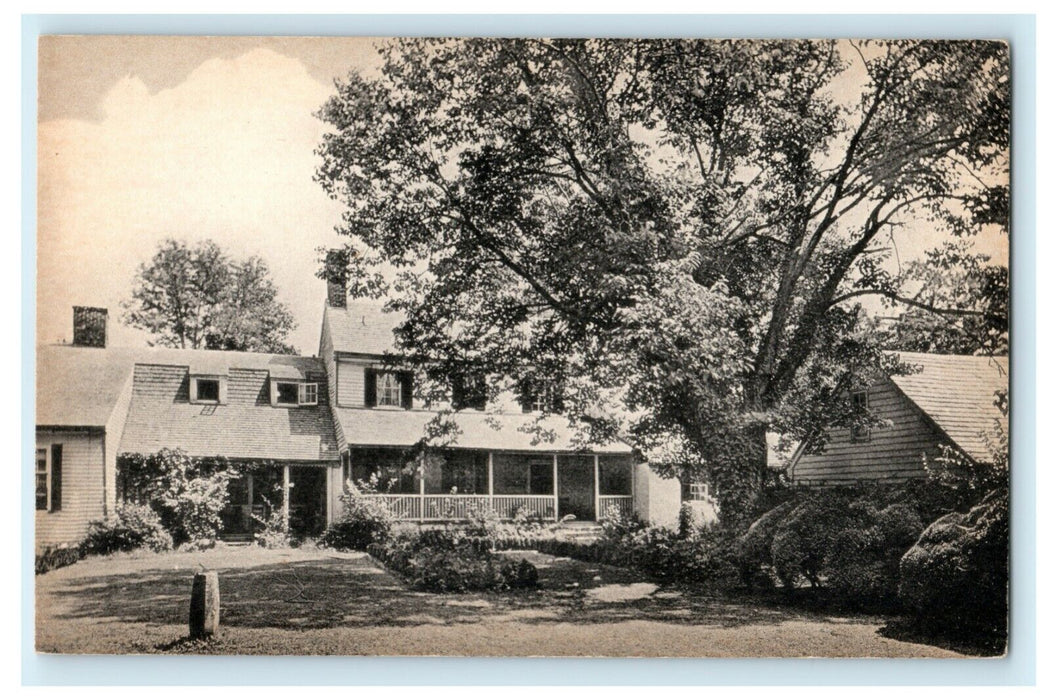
(89, 326)
(335, 274)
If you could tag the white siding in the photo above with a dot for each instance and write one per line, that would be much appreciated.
(351, 379)
(82, 492)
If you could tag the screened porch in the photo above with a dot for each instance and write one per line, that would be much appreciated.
(448, 484)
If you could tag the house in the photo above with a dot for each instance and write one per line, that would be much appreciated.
(506, 456)
(947, 400)
(304, 426)
(96, 404)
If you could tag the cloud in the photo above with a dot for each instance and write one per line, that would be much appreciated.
(226, 155)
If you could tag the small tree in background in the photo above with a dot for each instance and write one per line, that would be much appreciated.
(198, 297)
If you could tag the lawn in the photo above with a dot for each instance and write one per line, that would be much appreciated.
(310, 601)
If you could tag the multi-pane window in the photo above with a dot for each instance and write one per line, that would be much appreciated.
(388, 389)
(307, 394)
(859, 433)
(295, 393)
(697, 491)
(41, 479)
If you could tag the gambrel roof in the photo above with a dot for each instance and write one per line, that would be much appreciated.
(958, 393)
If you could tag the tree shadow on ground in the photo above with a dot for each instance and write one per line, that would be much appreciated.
(972, 644)
(356, 592)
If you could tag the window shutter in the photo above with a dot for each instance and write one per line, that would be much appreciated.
(557, 401)
(370, 387)
(479, 396)
(406, 390)
(457, 393)
(56, 477)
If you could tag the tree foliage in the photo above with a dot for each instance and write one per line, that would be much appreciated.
(196, 296)
(678, 235)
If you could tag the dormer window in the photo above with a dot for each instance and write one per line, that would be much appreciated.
(293, 393)
(207, 389)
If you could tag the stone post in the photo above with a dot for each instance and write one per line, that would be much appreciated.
(204, 605)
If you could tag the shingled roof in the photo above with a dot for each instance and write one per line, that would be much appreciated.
(79, 387)
(361, 328)
(958, 393)
(370, 427)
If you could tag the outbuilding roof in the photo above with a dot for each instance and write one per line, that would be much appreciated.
(371, 427)
(958, 393)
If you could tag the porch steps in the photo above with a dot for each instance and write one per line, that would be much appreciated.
(578, 531)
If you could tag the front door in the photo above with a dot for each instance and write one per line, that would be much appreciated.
(306, 505)
(576, 487)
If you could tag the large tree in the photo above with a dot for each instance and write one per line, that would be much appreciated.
(196, 296)
(677, 235)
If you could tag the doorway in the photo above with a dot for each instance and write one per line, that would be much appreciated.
(576, 487)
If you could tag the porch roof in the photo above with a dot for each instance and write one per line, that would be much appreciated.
(370, 427)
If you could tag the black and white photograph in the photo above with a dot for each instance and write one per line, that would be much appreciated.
(522, 347)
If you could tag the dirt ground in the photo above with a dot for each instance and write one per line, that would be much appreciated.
(310, 601)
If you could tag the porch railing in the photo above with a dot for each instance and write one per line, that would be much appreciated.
(457, 507)
(625, 504)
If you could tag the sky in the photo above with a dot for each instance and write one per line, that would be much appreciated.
(141, 138)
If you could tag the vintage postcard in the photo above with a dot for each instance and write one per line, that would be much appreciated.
(522, 347)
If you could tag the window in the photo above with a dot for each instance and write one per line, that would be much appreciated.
(41, 479)
(207, 391)
(538, 397)
(697, 491)
(307, 394)
(469, 392)
(388, 389)
(49, 478)
(859, 401)
(287, 393)
(293, 393)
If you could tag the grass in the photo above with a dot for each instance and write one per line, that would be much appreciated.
(310, 601)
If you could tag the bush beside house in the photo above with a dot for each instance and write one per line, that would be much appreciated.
(131, 527)
(954, 580)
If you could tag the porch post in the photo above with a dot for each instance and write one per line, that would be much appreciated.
(491, 487)
(251, 502)
(555, 486)
(422, 491)
(597, 494)
(287, 486)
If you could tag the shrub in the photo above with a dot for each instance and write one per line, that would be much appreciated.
(444, 561)
(753, 548)
(363, 522)
(954, 580)
(863, 562)
(131, 527)
(803, 538)
(188, 494)
(273, 531)
(56, 556)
